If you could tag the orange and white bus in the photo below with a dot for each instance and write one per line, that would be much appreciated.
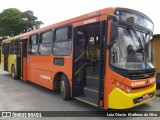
(103, 58)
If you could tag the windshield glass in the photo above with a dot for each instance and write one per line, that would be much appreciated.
(129, 53)
(137, 19)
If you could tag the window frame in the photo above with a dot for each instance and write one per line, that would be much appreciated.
(37, 43)
(2, 48)
(40, 42)
(12, 48)
(70, 26)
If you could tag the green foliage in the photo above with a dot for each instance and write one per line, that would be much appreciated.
(14, 22)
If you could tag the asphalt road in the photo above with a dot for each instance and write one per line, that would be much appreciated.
(18, 95)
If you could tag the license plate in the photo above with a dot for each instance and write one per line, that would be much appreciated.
(143, 97)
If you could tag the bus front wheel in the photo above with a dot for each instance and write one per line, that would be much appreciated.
(13, 72)
(65, 88)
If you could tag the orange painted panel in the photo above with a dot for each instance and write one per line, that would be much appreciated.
(28, 68)
(44, 78)
(42, 69)
(87, 21)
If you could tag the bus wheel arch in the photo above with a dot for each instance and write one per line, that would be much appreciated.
(57, 80)
(13, 71)
(61, 82)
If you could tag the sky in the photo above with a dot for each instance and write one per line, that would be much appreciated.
(53, 11)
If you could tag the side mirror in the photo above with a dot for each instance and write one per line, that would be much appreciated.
(114, 31)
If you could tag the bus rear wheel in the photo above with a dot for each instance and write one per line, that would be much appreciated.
(65, 88)
(13, 72)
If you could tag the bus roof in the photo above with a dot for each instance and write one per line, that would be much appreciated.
(72, 20)
(104, 11)
(10, 39)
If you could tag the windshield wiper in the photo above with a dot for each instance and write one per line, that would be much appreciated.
(141, 46)
(138, 38)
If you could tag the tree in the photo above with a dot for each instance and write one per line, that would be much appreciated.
(14, 22)
(31, 21)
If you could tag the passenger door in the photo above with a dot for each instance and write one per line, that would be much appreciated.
(19, 59)
(88, 63)
(79, 62)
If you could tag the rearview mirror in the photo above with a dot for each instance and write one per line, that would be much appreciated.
(114, 31)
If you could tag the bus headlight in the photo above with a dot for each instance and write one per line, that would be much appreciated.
(118, 84)
(128, 90)
(122, 87)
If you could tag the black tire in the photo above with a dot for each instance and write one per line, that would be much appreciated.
(65, 88)
(13, 72)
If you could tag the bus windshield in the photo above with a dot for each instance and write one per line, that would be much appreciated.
(135, 18)
(130, 53)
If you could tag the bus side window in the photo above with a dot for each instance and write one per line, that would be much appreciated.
(46, 43)
(7, 49)
(12, 48)
(33, 44)
(63, 41)
(2, 49)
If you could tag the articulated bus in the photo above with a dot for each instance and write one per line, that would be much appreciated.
(103, 58)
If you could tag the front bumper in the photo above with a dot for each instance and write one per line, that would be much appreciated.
(118, 99)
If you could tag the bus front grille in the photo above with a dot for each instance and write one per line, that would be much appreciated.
(141, 75)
